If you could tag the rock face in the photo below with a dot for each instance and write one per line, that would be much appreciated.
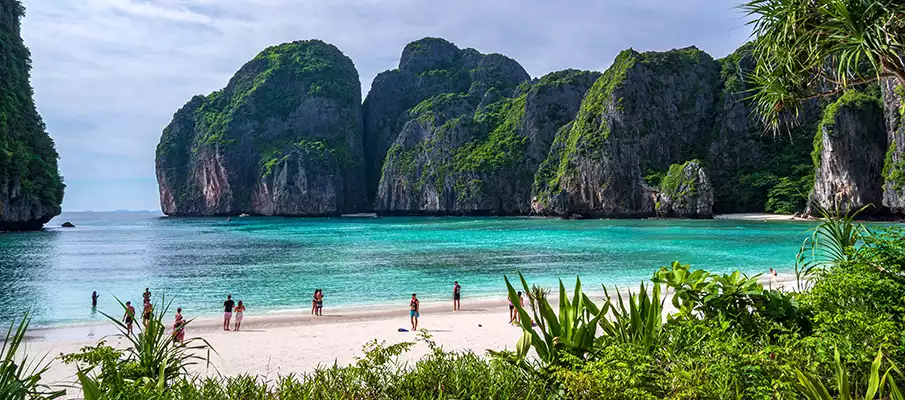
(428, 67)
(455, 131)
(645, 113)
(31, 188)
(685, 192)
(894, 163)
(472, 137)
(848, 155)
(283, 138)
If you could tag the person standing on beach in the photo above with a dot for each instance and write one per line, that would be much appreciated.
(457, 296)
(228, 311)
(146, 296)
(314, 301)
(319, 303)
(146, 314)
(94, 297)
(240, 310)
(129, 317)
(415, 307)
(179, 327)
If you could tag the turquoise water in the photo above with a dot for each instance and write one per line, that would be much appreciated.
(276, 263)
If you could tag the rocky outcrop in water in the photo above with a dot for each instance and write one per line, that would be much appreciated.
(282, 138)
(848, 155)
(31, 189)
(894, 162)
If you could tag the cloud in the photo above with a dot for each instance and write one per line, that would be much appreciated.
(109, 74)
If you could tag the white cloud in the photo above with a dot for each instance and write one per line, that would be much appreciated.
(109, 74)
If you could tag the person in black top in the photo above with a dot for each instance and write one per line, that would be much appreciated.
(94, 299)
(457, 296)
(227, 311)
(146, 296)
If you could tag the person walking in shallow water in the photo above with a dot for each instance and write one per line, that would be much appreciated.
(414, 313)
(146, 296)
(228, 311)
(94, 297)
(457, 296)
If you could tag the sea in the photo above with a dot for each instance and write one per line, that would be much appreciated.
(275, 264)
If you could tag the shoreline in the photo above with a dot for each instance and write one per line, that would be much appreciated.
(271, 345)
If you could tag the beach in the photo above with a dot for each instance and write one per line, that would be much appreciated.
(294, 342)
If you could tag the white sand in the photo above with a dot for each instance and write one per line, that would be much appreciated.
(280, 344)
(296, 342)
(759, 217)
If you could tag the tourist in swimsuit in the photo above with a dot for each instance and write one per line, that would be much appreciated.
(146, 315)
(512, 312)
(94, 297)
(521, 302)
(314, 301)
(228, 311)
(240, 309)
(415, 306)
(179, 327)
(457, 295)
(129, 317)
(320, 303)
(146, 296)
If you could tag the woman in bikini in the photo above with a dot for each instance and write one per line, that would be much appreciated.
(179, 327)
(240, 309)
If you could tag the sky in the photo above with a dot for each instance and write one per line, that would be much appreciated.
(109, 74)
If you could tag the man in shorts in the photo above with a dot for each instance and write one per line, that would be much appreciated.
(228, 311)
(129, 318)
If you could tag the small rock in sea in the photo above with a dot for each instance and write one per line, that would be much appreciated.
(68, 224)
(480, 326)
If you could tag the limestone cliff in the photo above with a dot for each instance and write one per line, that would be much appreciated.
(685, 191)
(472, 149)
(436, 83)
(848, 155)
(284, 137)
(647, 112)
(31, 188)
(894, 163)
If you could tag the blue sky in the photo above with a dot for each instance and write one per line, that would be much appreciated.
(109, 74)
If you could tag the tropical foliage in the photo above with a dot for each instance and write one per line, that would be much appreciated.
(807, 49)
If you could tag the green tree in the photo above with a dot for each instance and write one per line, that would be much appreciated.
(807, 49)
